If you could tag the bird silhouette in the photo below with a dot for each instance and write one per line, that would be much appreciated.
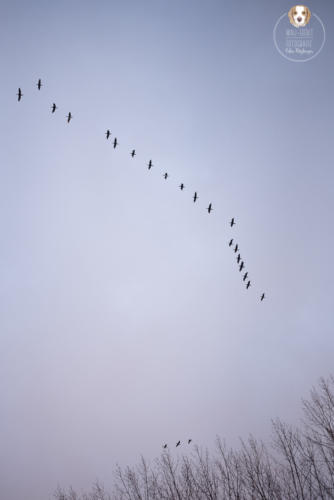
(133, 153)
(242, 265)
(165, 175)
(232, 223)
(209, 208)
(39, 84)
(230, 243)
(19, 95)
(245, 276)
(115, 142)
(236, 248)
(195, 197)
(178, 444)
(182, 186)
(238, 258)
(150, 164)
(69, 117)
(189, 441)
(248, 284)
(165, 446)
(53, 108)
(108, 134)
(262, 297)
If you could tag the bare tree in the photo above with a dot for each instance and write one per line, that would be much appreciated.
(97, 493)
(298, 465)
(230, 472)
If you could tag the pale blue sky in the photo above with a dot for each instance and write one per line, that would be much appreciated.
(124, 321)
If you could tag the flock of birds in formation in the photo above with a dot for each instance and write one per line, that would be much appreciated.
(240, 262)
(177, 444)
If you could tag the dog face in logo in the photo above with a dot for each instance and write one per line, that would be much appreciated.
(299, 15)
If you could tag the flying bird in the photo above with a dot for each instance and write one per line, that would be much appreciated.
(182, 186)
(189, 441)
(178, 444)
(115, 142)
(230, 243)
(236, 248)
(165, 446)
(248, 284)
(165, 175)
(245, 276)
(53, 108)
(39, 84)
(209, 208)
(69, 117)
(242, 265)
(238, 258)
(195, 197)
(108, 134)
(232, 223)
(150, 164)
(19, 95)
(133, 153)
(262, 297)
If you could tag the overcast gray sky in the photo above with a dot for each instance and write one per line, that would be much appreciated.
(124, 320)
